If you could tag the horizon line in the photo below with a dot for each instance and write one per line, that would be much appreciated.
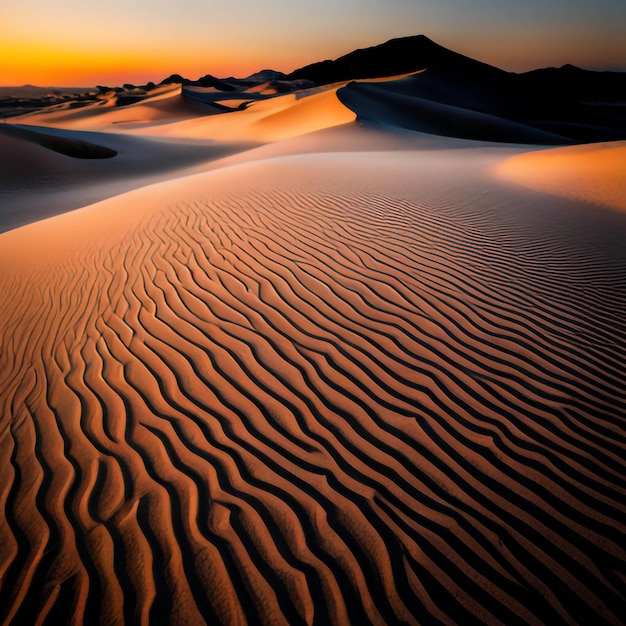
(616, 69)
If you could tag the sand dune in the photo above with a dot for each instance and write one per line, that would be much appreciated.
(389, 103)
(37, 182)
(68, 146)
(362, 387)
(165, 104)
(267, 120)
(594, 173)
(193, 115)
(346, 355)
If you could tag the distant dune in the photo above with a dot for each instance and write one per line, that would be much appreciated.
(76, 148)
(340, 353)
(594, 173)
(384, 103)
(32, 91)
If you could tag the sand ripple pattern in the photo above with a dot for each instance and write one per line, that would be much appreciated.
(298, 408)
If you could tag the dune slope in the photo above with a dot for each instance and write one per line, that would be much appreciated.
(403, 104)
(269, 120)
(164, 104)
(69, 147)
(43, 171)
(594, 173)
(261, 396)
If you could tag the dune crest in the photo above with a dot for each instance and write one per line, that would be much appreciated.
(68, 146)
(268, 120)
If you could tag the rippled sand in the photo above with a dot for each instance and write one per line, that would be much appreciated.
(347, 387)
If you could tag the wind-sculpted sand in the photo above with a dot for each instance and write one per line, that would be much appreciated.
(278, 118)
(594, 173)
(351, 388)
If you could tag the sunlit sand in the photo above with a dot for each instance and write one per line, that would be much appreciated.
(337, 357)
(594, 173)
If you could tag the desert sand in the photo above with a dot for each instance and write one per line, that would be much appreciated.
(321, 360)
(594, 173)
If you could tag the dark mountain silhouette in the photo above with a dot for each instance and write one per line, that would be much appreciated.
(205, 81)
(265, 75)
(577, 83)
(175, 79)
(397, 56)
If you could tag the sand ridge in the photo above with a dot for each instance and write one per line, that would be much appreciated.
(268, 120)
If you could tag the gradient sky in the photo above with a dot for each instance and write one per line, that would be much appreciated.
(85, 42)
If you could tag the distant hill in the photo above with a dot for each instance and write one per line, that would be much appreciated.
(397, 56)
(205, 81)
(32, 91)
(574, 82)
(265, 75)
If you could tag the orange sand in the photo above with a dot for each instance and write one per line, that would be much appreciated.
(594, 173)
(345, 377)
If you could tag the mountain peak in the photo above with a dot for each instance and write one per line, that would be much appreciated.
(402, 55)
(265, 75)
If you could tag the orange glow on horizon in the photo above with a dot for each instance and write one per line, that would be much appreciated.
(65, 42)
(79, 62)
(48, 64)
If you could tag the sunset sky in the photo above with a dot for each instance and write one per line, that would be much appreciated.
(84, 42)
